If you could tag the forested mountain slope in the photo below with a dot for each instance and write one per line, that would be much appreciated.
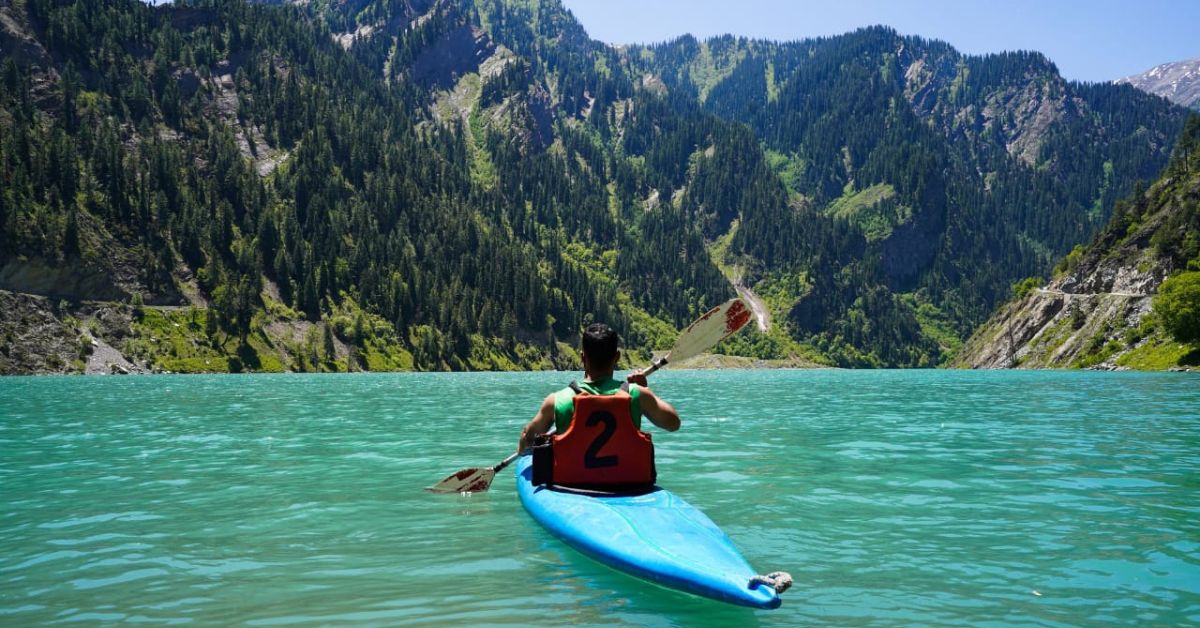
(1130, 299)
(446, 184)
(378, 207)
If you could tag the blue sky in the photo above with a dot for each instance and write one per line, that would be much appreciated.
(1089, 40)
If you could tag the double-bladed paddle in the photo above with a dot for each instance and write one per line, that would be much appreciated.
(716, 324)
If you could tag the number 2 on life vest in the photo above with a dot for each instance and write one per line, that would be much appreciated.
(591, 459)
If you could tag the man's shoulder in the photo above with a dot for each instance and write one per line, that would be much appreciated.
(561, 395)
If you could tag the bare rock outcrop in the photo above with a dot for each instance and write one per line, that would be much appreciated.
(1090, 314)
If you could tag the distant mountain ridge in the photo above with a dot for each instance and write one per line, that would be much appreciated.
(1178, 81)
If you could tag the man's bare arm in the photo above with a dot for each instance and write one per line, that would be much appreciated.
(658, 411)
(539, 424)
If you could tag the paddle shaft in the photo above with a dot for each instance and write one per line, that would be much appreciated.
(507, 461)
(659, 363)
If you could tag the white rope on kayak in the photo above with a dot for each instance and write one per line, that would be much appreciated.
(778, 580)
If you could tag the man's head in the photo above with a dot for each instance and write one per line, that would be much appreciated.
(600, 347)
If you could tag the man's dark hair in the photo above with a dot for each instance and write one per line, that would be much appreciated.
(600, 343)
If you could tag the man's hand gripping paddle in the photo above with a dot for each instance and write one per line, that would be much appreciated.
(716, 325)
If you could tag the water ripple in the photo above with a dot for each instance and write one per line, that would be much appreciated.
(892, 497)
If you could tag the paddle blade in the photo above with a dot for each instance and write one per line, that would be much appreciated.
(474, 480)
(716, 324)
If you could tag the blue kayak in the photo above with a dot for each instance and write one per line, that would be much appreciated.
(655, 535)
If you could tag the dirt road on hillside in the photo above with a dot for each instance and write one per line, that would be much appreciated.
(756, 305)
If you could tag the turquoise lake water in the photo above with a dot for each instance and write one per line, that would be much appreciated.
(892, 497)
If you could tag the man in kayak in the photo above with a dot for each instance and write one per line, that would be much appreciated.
(607, 446)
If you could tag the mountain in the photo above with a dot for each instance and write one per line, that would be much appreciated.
(920, 183)
(265, 193)
(1178, 82)
(447, 184)
(1104, 306)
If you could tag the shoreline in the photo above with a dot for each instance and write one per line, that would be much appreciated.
(702, 362)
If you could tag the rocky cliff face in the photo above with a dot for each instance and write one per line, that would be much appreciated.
(1096, 312)
(39, 335)
(1178, 82)
(1067, 324)
(1019, 109)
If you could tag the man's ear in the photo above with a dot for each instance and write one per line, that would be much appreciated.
(616, 358)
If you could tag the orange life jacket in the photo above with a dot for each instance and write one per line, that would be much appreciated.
(602, 448)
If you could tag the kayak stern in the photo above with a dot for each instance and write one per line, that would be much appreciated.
(656, 536)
